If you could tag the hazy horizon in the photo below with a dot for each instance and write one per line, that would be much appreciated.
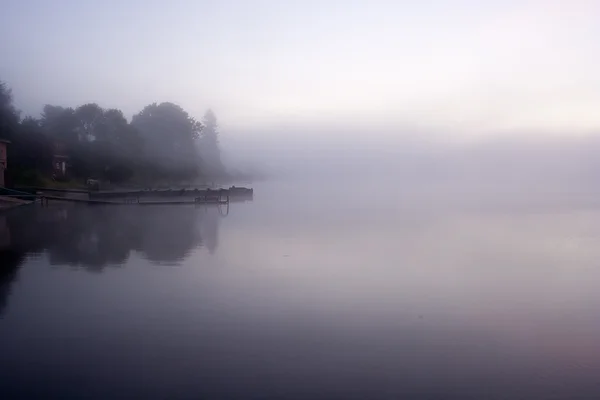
(461, 67)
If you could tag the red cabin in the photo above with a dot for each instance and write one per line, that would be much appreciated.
(3, 159)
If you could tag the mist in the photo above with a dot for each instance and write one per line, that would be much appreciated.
(524, 162)
(317, 199)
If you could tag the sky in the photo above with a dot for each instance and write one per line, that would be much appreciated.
(462, 66)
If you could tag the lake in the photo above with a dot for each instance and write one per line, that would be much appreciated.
(347, 292)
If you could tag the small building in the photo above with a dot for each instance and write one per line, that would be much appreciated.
(60, 162)
(3, 159)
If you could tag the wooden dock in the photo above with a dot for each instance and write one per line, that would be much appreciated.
(188, 196)
(233, 191)
(45, 199)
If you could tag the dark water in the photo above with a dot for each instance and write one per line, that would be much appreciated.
(345, 295)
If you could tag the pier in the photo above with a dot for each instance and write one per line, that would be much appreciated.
(45, 199)
(132, 197)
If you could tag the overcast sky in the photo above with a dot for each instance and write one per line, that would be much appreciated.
(478, 67)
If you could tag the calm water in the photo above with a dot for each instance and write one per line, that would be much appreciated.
(352, 294)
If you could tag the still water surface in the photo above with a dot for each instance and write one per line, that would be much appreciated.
(351, 294)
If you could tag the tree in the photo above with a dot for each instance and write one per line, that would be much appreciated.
(169, 135)
(90, 118)
(209, 146)
(162, 142)
(60, 124)
(123, 144)
(110, 145)
(100, 143)
(9, 116)
(30, 151)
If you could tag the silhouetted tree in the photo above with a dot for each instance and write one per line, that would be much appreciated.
(209, 146)
(60, 124)
(30, 153)
(9, 116)
(169, 134)
(162, 142)
(100, 143)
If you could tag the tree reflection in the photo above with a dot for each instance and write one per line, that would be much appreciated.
(10, 261)
(210, 230)
(169, 232)
(99, 236)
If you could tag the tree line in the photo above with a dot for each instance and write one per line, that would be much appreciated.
(161, 144)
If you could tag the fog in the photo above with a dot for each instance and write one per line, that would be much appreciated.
(444, 91)
(510, 162)
(424, 219)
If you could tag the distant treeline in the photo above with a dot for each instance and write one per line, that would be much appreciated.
(162, 143)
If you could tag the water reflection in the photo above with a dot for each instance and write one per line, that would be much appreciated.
(96, 237)
(10, 261)
(330, 300)
(9, 266)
